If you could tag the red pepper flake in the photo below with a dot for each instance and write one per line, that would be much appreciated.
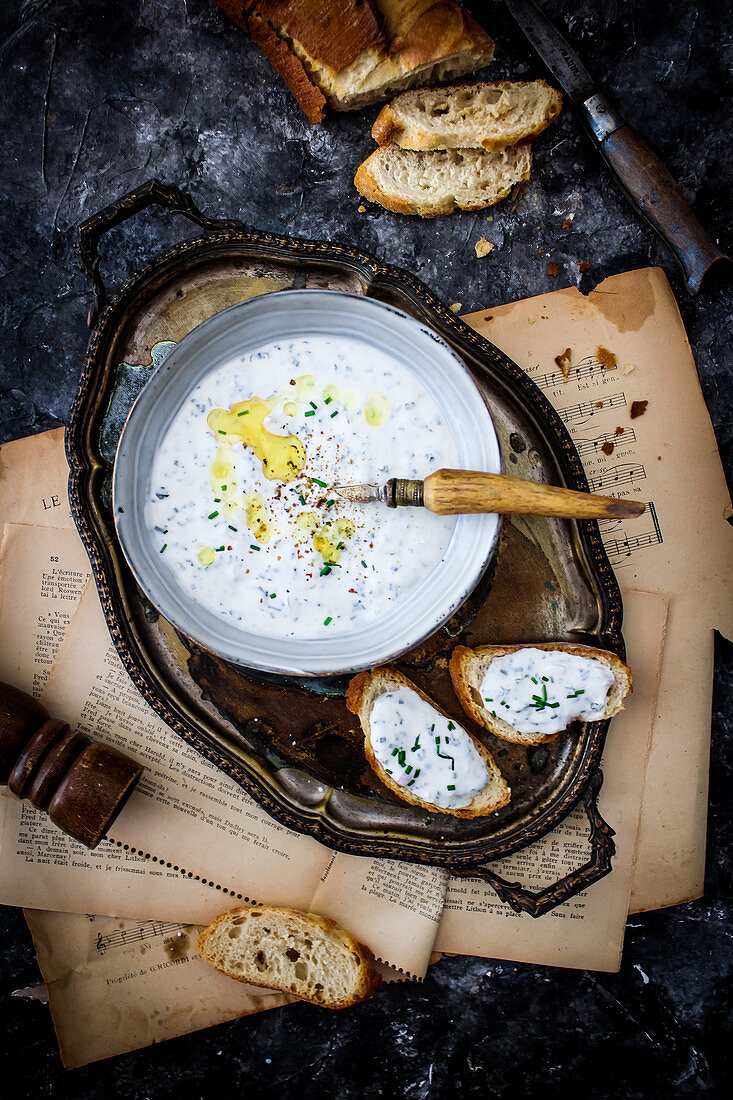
(564, 361)
(607, 447)
(638, 408)
(619, 430)
(584, 266)
(566, 224)
(598, 405)
(352, 590)
(553, 268)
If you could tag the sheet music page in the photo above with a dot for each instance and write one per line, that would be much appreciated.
(116, 985)
(633, 405)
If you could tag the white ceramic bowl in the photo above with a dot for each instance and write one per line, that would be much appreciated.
(243, 328)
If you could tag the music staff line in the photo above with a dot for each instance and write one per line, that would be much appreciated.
(625, 474)
(590, 408)
(586, 368)
(618, 549)
(620, 439)
(145, 931)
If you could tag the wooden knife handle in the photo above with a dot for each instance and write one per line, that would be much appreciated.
(453, 492)
(655, 193)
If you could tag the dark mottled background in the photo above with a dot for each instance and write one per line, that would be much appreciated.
(98, 97)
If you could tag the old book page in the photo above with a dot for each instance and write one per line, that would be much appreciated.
(118, 985)
(191, 842)
(628, 347)
(587, 931)
(33, 477)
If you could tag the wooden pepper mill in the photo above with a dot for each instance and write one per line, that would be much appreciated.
(81, 784)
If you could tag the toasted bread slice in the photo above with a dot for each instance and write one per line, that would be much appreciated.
(365, 689)
(468, 667)
(441, 181)
(298, 953)
(468, 116)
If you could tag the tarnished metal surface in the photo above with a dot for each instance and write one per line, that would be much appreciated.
(292, 743)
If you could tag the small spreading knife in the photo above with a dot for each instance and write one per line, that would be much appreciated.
(454, 492)
(640, 172)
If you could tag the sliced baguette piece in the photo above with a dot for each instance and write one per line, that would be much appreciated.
(361, 695)
(468, 667)
(468, 116)
(298, 953)
(441, 181)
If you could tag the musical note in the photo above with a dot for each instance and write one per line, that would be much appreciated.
(144, 931)
(586, 368)
(620, 549)
(624, 474)
(586, 409)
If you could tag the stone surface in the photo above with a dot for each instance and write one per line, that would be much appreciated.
(96, 98)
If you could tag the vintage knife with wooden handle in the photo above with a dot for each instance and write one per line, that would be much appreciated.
(640, 172)
(455, 492)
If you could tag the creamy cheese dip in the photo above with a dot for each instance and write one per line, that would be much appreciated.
(543, 691)
(425, 752)
(240, 502)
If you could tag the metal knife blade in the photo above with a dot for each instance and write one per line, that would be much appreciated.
(641, 173)
(562, 61)
(357, 494)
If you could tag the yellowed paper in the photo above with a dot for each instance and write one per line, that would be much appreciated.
(681, 547)
(116, 985)
(33, 478)
(42, 577)
(586, 931)
(208, 845)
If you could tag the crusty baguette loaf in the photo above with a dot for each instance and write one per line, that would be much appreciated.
(466, 116)
(438, 182)
(298, 953)
(361, 695)
(350, 53)
(468, 666)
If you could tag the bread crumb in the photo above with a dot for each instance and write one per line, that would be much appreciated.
(584, 266)
(619, 430)
(361, 208)
(553, 269)
(628, 368)
(607, 447)
(638, 408)
(483, 247)
(563, 361)
(605, 357)
(488, 317)
(455, 308)
(598, 405)
(566, 224)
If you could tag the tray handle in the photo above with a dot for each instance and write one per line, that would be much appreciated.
(152, 193)
(536, 903)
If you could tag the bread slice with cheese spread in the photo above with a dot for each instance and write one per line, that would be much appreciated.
(441, 181)
(469, 666)
(361, 696)
(299, 953)
(468, 116)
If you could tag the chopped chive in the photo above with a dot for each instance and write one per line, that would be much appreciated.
(432, 727)
(301, 498)
(334, 414)
(328, 401)
(411, 782)
(416, 746)
(310, 413)
(487, 700)
(545, 679)
(401, 758)
(253, 547)
(437, 740)
(213, 515)
(327, 621)
(325, 571)
(395, 751)
(219, 549)
(221, 431)
(163, 547)
(580, 691)
(273, 595)
(217, 500)
(315, 479)
(328, 505)
(451, 787)
(231, 527)
(224, 487)
(313, 405)
(408, 769)
(417, 772)
(451, 725)
(388, 771)
(532, 678)
(364, 564)
(244, 412)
